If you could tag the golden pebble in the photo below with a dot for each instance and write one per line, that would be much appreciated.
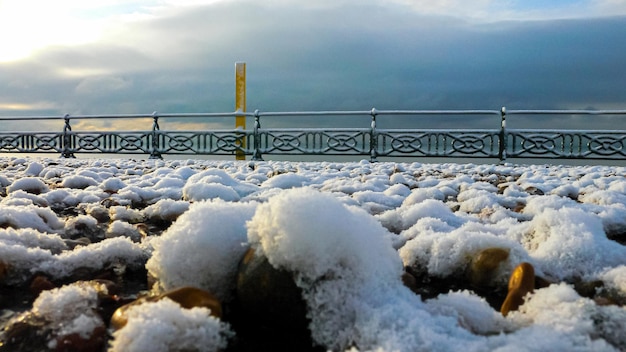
(522, 281)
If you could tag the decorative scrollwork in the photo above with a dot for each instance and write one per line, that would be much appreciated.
(342, 142)
(540, 144)
(228, 143)
(9, 143)
(438, 143)
(469, 144)
(89, 142)
(180, 143)
(46, 143)
(607, 145)
(286, 142)
(132, 142)
(406, 143)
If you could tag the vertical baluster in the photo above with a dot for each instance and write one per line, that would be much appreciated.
(68, 146)
(257, 138)
(155, 153)
(503, 142)
(373, 136)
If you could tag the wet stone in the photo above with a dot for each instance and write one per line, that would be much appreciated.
(485, 264)
(269, 312)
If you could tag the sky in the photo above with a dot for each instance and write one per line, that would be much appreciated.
(117, 57)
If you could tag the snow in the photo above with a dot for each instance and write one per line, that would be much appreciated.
(570, 243)
(163, 327)
(345, 230)
(203, 248)
(70, 309)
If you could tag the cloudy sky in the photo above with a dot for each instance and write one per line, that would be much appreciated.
(139, 56)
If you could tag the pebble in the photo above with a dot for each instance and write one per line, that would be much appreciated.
(187, 297)
(522, 281)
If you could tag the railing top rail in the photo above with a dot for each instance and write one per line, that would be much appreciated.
(376, 112)
(316, 113)
(122, 116)
(566, 112)
(565, 131)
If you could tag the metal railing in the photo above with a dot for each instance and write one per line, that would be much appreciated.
(369, 140)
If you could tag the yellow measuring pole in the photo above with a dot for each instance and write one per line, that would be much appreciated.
(240, 104)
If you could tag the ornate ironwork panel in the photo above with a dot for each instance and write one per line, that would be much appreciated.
(314, 141)
(567, 144)
(110, 142)
(204, 142)
(31, 142)
(440, 143)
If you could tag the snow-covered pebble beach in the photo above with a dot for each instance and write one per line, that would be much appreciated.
(385, 256)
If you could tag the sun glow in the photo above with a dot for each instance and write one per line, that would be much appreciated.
(28, 25)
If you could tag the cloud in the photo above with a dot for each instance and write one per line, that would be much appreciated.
(328, 55)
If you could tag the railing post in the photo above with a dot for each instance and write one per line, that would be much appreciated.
(373, 136)
(67, 140)
(155, 153)
(257, 138)
(503, 139)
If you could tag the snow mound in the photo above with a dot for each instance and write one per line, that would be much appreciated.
(349, 273)
(206, 191)
(78, 182)
(166, 209)
(286, 181)
(203, 247)
(448, 253)
(314, 234)
(164, 326)
(570, 243)
(96, 256)
(41, 219)
(573, 319)
(30, 238)
(29, 184)
(70, 309)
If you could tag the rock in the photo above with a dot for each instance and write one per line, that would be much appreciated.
(541, 282)
(101, 214)
(190, 297)
(187, 297)
(427, 286)
(268, 294)
(601, 293)
(410, 281)
(522, 281)
(77, 343)
(269, 312)
(81, 241)
(26, 333)
(40, 283)
(485, 264)
(4, 270)
(618, 236)
(534, 191)
(588, 289)
(75, 326)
